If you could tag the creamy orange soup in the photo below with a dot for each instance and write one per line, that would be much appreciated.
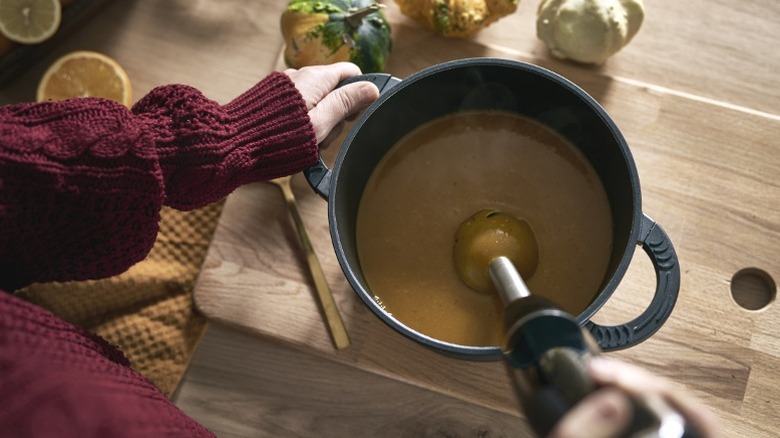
(445, 171)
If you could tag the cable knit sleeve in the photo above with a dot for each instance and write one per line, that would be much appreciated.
(82, 182)
(206, 150)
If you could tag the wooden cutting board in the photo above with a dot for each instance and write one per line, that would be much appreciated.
(698, 104)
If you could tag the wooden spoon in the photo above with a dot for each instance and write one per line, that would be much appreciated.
(332, 316)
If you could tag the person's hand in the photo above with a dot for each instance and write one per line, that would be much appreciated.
(329, 108)
(608, 411)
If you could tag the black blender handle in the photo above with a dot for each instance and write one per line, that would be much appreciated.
(547, 355)
(547, 407)
(656, 244)
(318, 175)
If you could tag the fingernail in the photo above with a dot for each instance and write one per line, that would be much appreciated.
(607, 411)
(370, 92)
(610, 413)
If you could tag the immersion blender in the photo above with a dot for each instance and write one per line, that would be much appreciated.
(546, 352)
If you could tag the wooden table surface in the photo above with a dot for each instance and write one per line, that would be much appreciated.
(696, 95)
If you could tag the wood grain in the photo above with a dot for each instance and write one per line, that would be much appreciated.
(220, 47)
(706, 159)
(696, 96)
(319, 398)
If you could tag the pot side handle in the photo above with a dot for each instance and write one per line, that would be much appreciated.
(659, 248)
(318, 175)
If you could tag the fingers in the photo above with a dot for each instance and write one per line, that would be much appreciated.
(329, 107)
(603, 414)
(332, 136)
(315, 82)
(626, 376)
(339, 105)
(608, 411)
(637, 381)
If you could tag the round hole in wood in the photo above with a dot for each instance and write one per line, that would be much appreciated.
(753, 289)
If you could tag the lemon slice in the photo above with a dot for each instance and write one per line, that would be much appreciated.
(29, 21)
(85, 74)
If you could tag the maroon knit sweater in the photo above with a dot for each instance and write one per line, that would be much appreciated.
(82, 183)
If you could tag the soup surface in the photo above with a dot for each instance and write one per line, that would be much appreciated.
(446, 170)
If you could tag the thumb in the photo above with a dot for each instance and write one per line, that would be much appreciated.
(340, 104)
(605, 413)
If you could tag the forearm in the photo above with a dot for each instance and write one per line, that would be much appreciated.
(83, 181)
(206, 150)
(81, 191)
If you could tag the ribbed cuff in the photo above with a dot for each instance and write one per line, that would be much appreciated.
(274, 133)
(206, 150)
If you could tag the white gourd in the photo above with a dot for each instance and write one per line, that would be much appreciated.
(588, 31)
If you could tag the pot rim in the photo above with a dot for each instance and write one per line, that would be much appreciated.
(467, 351)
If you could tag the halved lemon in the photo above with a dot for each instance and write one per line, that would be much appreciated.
(85, 74)
(29, 21)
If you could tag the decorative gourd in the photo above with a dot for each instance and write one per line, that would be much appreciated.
(327, 31)
(457, 18)
(588, 31)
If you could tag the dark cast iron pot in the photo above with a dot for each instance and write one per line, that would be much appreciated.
(529, 90)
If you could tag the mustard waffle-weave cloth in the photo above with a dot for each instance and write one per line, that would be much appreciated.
(147, 311)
